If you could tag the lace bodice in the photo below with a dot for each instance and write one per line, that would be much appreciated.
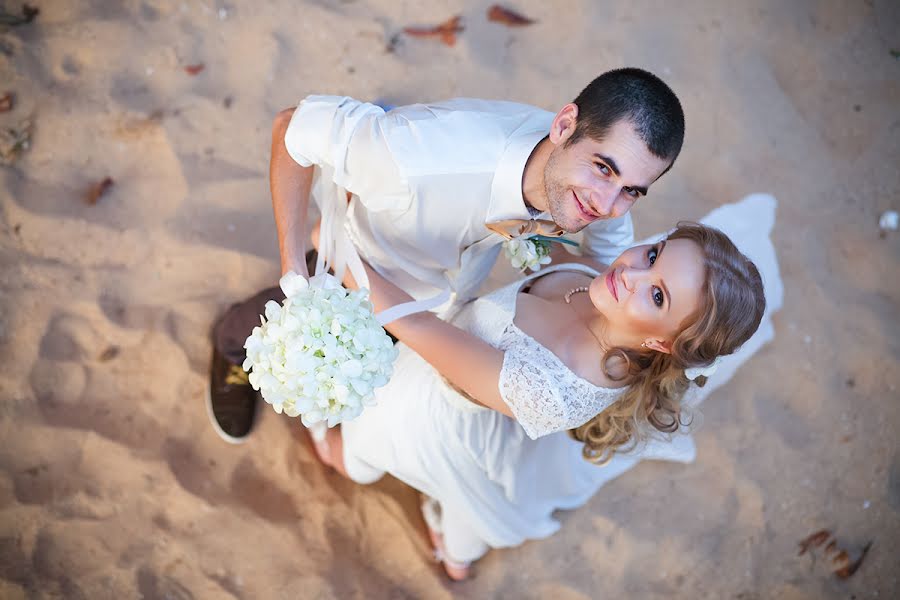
(543, 393)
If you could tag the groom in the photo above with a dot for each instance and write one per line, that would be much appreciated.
(430, 184)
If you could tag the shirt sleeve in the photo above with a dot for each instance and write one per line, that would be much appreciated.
(351, 140)
(533, 393)
(605, 240)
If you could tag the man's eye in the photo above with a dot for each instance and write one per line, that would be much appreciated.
(657, 297)
(632, 192)
(651, 255)
(603, 169)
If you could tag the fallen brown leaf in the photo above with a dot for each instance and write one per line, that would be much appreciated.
(816, 539)
(194, 69)
(15, 140)
(110, 353)
(97, 190)
(28, 14)
(504, 16)
(839, 558)
(850, 569)
(446, 31)
(6, 102)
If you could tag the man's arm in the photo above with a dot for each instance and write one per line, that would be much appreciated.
(290, 185)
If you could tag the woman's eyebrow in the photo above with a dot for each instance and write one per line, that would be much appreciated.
(659, 253)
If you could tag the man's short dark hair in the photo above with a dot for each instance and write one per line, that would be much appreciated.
(639, 97)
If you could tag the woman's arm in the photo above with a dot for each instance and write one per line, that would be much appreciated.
(467, 361)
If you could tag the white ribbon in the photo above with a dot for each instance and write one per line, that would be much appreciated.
(337, 252)
(693, 373)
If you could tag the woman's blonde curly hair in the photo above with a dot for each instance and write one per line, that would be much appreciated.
(732, 304)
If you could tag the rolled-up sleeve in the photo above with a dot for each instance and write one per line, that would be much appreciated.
(606, 240)
(350, 138)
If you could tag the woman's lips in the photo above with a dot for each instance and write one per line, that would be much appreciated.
(611, 284)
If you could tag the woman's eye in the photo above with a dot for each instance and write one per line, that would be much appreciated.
(651, 255)
(603, 169)
(657, 297)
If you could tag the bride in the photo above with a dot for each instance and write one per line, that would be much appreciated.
(502, 414)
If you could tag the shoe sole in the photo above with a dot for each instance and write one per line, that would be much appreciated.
(221, 432)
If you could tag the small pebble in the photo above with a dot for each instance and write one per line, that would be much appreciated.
(889, 220)
(866, 504)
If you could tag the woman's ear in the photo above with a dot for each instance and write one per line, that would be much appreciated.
(563, 125)
(658, 345)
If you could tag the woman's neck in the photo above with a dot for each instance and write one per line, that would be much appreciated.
(593, 320)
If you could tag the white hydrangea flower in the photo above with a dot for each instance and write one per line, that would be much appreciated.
(320, 354)
(527, 253)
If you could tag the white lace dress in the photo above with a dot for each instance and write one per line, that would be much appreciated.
(498, 480)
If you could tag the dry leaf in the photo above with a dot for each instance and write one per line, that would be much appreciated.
(97, 190)
(504, 16)
(839, 558)
(6, 102)
(110, 353)
(194, 69)
(28, 14)
(850, 569)
(14, 141)
(446, 31)
(816, 539)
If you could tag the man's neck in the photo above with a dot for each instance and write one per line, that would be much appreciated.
(533, 190)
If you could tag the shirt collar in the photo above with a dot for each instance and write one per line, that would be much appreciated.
(507, 201)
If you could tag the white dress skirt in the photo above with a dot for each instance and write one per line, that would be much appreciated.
(495, 481)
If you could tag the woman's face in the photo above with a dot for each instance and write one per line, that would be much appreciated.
(648, 292)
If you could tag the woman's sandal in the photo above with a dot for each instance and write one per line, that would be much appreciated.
(456, 570)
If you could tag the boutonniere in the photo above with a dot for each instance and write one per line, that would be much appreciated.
(531, 252)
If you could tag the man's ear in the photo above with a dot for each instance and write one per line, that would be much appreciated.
(563, 125)
(658, 345)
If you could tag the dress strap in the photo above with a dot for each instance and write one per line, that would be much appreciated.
(577, 267)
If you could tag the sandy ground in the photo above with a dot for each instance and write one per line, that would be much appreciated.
(112, 484)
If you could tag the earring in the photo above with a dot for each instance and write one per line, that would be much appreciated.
(643, 344)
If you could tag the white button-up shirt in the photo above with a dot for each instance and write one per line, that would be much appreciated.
(426, 178)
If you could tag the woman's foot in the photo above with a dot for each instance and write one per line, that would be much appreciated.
(431, 512)
(457, 571)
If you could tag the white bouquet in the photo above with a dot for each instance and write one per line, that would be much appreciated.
(321, 354)
(528, 253)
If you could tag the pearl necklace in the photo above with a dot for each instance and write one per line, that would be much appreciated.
(569, 294)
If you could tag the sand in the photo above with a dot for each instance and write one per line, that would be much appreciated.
(112, 483)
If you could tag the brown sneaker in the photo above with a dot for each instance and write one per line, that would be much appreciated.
(231, 403)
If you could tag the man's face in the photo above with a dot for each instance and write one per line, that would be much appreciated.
(592, 180)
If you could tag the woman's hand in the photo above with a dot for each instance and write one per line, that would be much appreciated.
(468, 362)
(315, 237)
